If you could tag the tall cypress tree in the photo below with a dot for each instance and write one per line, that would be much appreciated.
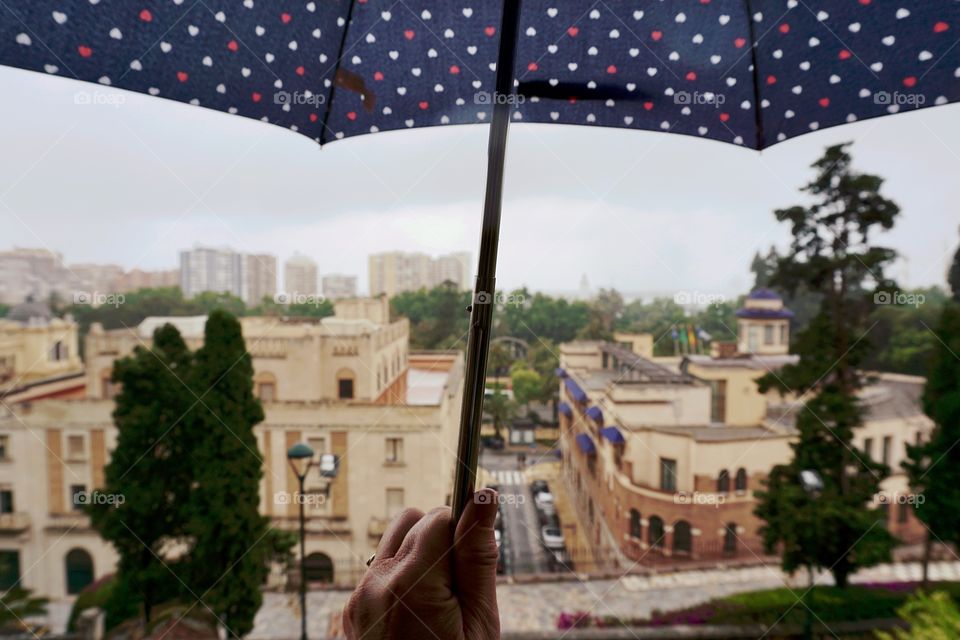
(231, 546)
(933, 467)
(830, 255)
(148, 468)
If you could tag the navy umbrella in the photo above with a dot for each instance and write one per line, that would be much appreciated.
(747, 72)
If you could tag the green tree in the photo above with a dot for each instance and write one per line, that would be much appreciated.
(438, 317)
(933, 467)
(499, 360)
(232, 548)
(605, 312)
(18, 604)
(501, 410)
(656, 317)
(527, 385)
(542, 357)
(831, 254)
(536, 316)
(149, 468)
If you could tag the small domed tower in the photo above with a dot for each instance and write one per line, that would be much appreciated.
(763, 324)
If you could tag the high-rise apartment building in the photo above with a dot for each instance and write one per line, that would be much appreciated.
(337, 286)
(300, 276)
(395, 272)
(259, 278)
(208, 269)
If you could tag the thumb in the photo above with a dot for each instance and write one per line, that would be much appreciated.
(475, 567)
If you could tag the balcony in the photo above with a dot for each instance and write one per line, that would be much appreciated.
(16, 522)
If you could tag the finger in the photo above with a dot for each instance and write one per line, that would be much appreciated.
(429, 540)
(475, 566)
(396, 532)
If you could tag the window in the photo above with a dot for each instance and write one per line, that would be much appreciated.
(394, 450)
(267, 391)
(740, 484)
(783, 333)
(902, 510)
(887, 442)
(636, 528)
(75, 449)
(868, 447)
(768, 334)
(58, 352)
(668, 474)
(394, 502)
(730, 538)
(9, 569)
(655, 532)
(723, 482)
(318, 567)
(345, 388)
(78, 495)
(79, 570)
(682, 538)
(4, 447)
(718, 401)
(884, 513)
(6, 501)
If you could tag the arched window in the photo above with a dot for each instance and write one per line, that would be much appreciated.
(319, 568)
(59, 351)
(723, 482)
(265, 386)
(636, 529)
(655, 532)
(109, 389)
(740, 483)
(730, 539)
(79, 570)
(682, 538)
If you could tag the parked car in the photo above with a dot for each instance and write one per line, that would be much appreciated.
(498, 537)
(559, 560)
(552, 537)
(498, 521)
(492, 442)
(548, 519)
(544, 502)
(539, 486)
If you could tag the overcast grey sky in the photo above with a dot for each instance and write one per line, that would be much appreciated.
(133, 183)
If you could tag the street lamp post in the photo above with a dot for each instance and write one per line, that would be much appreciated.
(812, 484)
(300, 457)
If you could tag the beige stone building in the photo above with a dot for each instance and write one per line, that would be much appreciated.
(346, 385)
(664, 460)
(394, 272)
(39, 357)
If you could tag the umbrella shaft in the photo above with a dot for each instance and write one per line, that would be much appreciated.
(481, 309)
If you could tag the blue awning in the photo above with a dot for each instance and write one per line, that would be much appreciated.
(613, 435)
(585, 443)
(565, 409)
(575, 391)
(560, 373)
(594, 413)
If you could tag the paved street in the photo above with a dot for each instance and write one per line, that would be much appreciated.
(522, 550)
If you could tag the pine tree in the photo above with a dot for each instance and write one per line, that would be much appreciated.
(933, 467)
(232, 545)
(830, 255)
(149, 467)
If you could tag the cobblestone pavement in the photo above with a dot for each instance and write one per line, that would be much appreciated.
(535, 606)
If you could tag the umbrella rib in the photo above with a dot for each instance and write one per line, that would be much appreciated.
(336, 70)
(761, 141)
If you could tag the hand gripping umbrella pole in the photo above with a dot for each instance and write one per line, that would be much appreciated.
(481, 308)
